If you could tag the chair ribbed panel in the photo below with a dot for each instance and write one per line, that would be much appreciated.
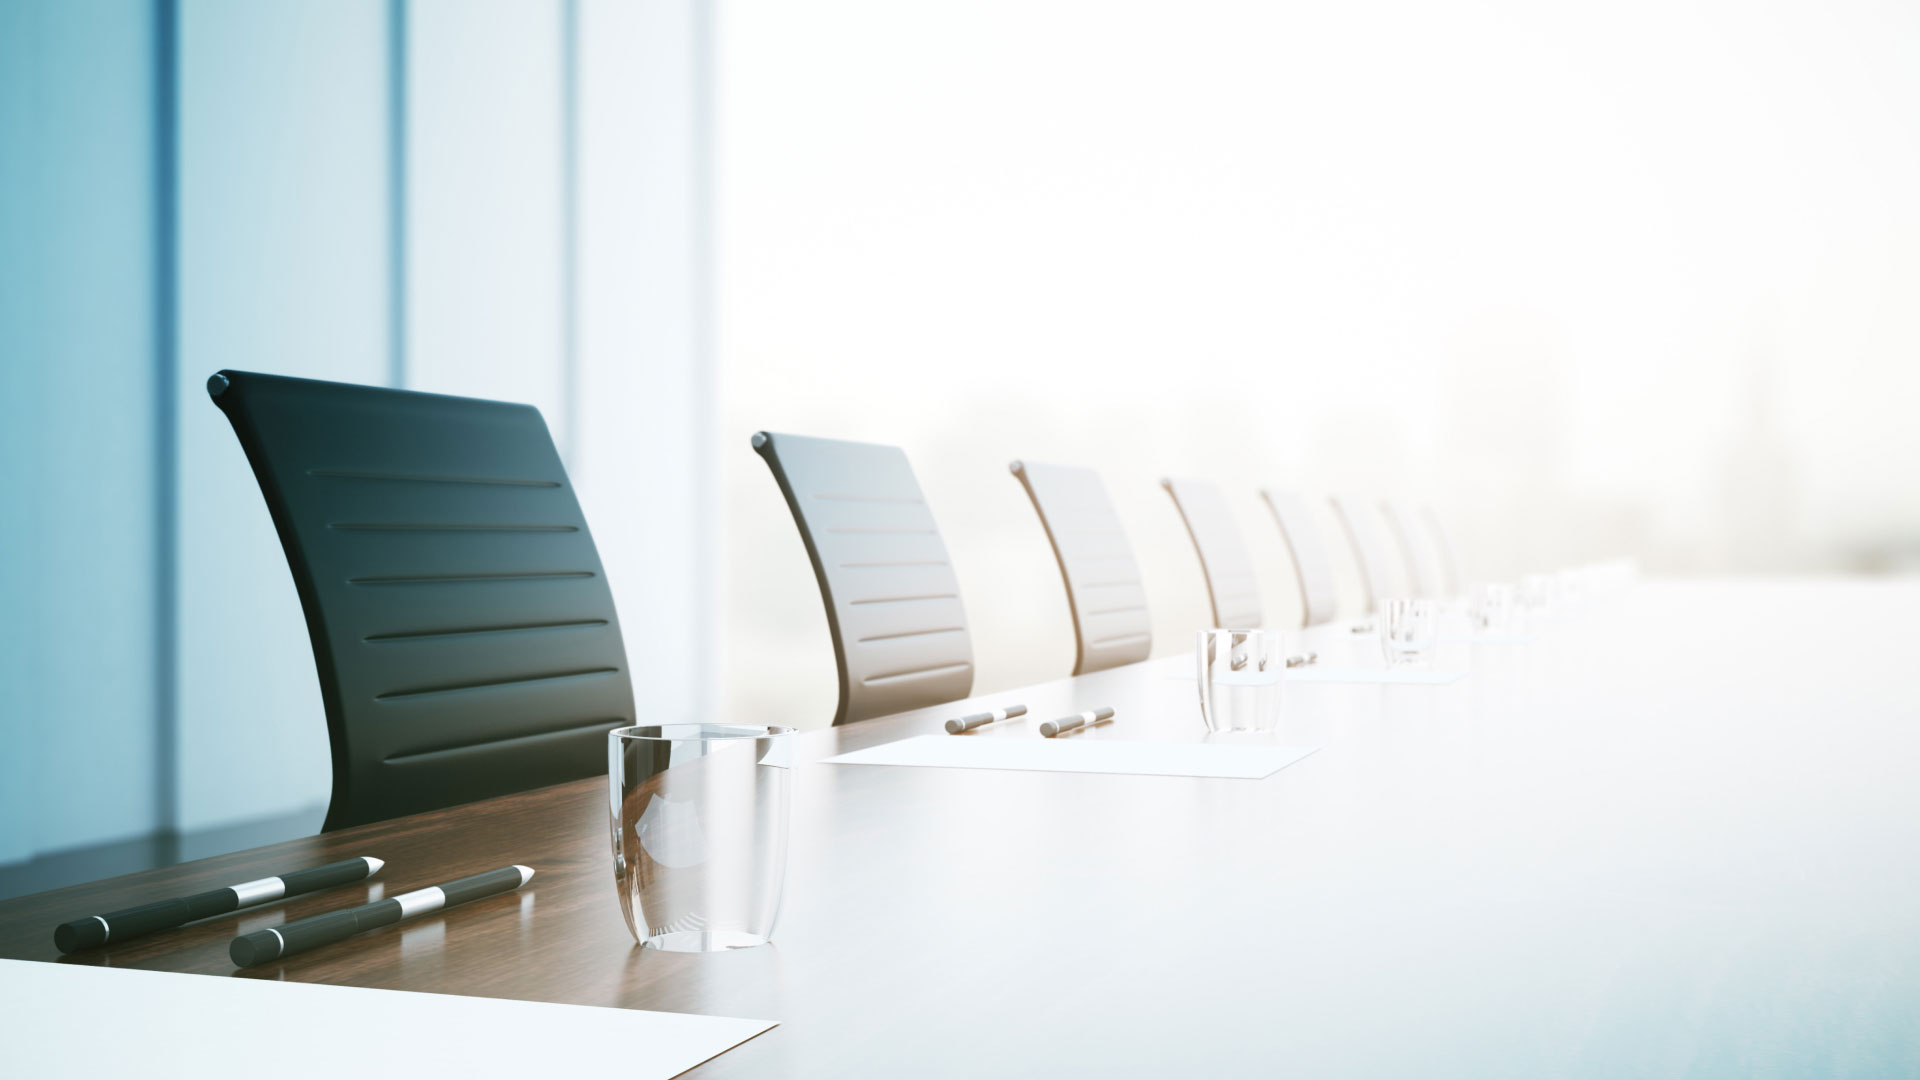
(1224, 559)
(1443, 546)
(1111, 625)
(893, 602)
(462, 628)
(1311, 564)
(1404, 525)
(1369, 540)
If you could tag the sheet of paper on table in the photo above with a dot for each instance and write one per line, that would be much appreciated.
(1223, 760)
(1489, 639)
(1359, 675)
(79, 1019)
(1381, 675)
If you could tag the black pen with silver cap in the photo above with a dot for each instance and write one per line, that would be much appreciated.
(263, 946)
(96, 930)
(1079, 720)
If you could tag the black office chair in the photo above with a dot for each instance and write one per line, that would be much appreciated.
(465, 637)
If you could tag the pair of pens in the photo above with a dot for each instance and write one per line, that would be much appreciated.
(294, 937)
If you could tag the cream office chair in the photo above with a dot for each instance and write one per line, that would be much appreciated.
(893, 603)
(1109, 606)
(1405, 526)
(1443, 546)
(1369, 540)
(1224, 559)
(1311, 565)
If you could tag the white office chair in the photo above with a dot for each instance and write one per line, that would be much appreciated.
(1443, 545)
(1369, 540)
(1109, 605)
(1311, 565)
(1224, 559)
(1405, 526)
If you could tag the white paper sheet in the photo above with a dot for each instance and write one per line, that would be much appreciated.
(1367, 675)
(1491, 639)
(122, 1022)
(1416, 676)
(1224, 760)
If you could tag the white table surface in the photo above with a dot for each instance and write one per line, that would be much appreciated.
(1677, 835)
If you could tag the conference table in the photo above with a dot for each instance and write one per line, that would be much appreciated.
(1675, 833)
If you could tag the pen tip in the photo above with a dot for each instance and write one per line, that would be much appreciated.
(373, 864)
(526, 873)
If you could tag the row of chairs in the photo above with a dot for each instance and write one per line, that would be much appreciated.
(893, 602)
(466, 640)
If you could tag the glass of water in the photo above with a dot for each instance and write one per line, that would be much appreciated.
(699, 818)
(1240, 672)
(1407, 628)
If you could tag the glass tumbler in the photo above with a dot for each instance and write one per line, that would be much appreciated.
(1407, 629)
(1536, 597)
(1240, 672)
(1492, 608)
(699, 817)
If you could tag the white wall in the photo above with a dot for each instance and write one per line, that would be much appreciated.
(1628, 279)
(283, 268)
(485, 202)
(644, 396)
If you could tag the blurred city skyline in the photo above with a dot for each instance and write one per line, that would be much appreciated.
(1621, 281)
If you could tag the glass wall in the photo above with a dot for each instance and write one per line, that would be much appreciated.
(462, 198)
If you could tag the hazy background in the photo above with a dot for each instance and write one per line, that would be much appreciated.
(1632, 278)
(1626, 279)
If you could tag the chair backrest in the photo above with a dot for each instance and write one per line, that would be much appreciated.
(1224, 559)
(1370, 551)
(1319, 599)
(1109, 605)
(1405, 526)
(461, 623)
(893, 603)
(1443, 546)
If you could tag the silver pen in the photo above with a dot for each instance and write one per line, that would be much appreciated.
(1069, 723)
(968, 723)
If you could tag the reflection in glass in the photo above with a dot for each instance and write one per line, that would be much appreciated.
(1407, 628)
(1240, 674)
(699, 819)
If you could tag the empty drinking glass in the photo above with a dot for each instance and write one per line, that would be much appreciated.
(1569, 588)
(1240, 672)
(1407, 629)
(1535, 598)
(699, 817)
(1492, 609)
